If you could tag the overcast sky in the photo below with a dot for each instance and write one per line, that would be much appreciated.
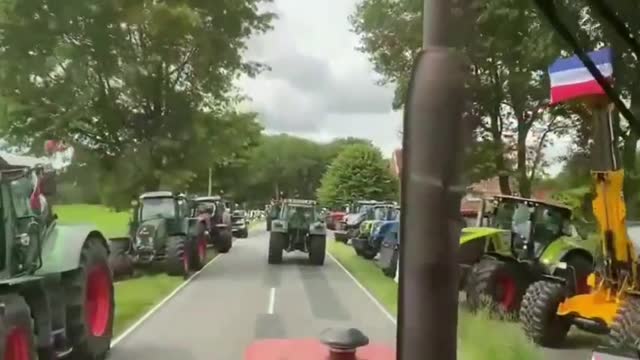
(320, 86)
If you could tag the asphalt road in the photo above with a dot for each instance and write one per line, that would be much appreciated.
(239, 298)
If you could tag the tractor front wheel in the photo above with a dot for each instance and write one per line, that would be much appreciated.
(493, 282)
(276, 246)
(90, 304)
(225, 241)
(317, 249)
(199, 249)
(369, 252)
(538, 313)
(624, 330)
(16, 329)
(177, 261)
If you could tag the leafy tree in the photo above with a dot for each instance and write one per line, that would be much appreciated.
(148, 85)
(359, 172)
(508, 54)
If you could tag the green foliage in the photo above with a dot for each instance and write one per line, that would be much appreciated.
(147, 85)
(358, 172)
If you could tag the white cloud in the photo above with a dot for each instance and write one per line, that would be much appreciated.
(320, 87)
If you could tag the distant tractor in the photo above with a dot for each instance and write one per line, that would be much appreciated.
(300, 227)
(219, 223)
(57, 289)
(240, 224)
(162, 231)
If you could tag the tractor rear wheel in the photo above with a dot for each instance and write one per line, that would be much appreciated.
(16, 329)
(538, 313)
(198, 249)
(317, 249)
(493, 282)
(624, 330)
(90, 304)
(276, 246)
(225, 241)
(177, 261)
(119, 260)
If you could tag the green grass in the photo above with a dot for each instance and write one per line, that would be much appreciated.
(109, 222)
(480, 336)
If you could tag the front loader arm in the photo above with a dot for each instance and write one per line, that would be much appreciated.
(610, 211)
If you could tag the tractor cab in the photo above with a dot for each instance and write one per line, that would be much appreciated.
(28, 217)
(533, 224)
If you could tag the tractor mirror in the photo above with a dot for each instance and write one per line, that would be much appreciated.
(48, 184)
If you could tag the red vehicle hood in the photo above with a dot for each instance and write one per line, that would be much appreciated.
(310, 349)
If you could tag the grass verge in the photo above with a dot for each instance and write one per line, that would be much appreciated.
(480, 336)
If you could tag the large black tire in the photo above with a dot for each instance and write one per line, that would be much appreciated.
(625, 330)
(90, 328)
(276, 246)
(198, 248)
(341, 238)
(369, 253)
(120, 262)
(497, 285)
(317, 249)
(538, 313)
(224, 241)
(177, 261)
(16, 329)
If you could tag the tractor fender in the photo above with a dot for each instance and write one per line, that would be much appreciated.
(62, 246)
(562, 249)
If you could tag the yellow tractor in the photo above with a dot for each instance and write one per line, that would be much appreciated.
(612, 305)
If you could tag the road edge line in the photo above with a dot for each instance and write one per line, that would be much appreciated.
(365, 290)
(157, 306)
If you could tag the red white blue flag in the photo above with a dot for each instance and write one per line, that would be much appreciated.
(571, 80)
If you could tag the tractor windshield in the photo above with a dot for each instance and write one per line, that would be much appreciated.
(157, 208)
(503, 215)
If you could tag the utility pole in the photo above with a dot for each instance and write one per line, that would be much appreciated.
(210, 182)
(433, 149)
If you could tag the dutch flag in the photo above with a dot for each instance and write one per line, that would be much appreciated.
(571, 80)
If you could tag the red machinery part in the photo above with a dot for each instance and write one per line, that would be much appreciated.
(312, 349)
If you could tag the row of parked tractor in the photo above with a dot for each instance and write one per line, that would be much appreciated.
(518, 256)
(174, 230)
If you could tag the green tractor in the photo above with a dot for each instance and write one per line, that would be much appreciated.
(519, 241)
(57, 288)
(299, 226)
(162, 230)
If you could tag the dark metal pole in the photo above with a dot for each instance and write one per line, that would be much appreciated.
(431, 189)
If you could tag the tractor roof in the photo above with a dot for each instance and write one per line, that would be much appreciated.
(300, 202)
(208, 198)
(533, 201)
(157, 194)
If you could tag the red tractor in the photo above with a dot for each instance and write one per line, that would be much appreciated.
(334, 217)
